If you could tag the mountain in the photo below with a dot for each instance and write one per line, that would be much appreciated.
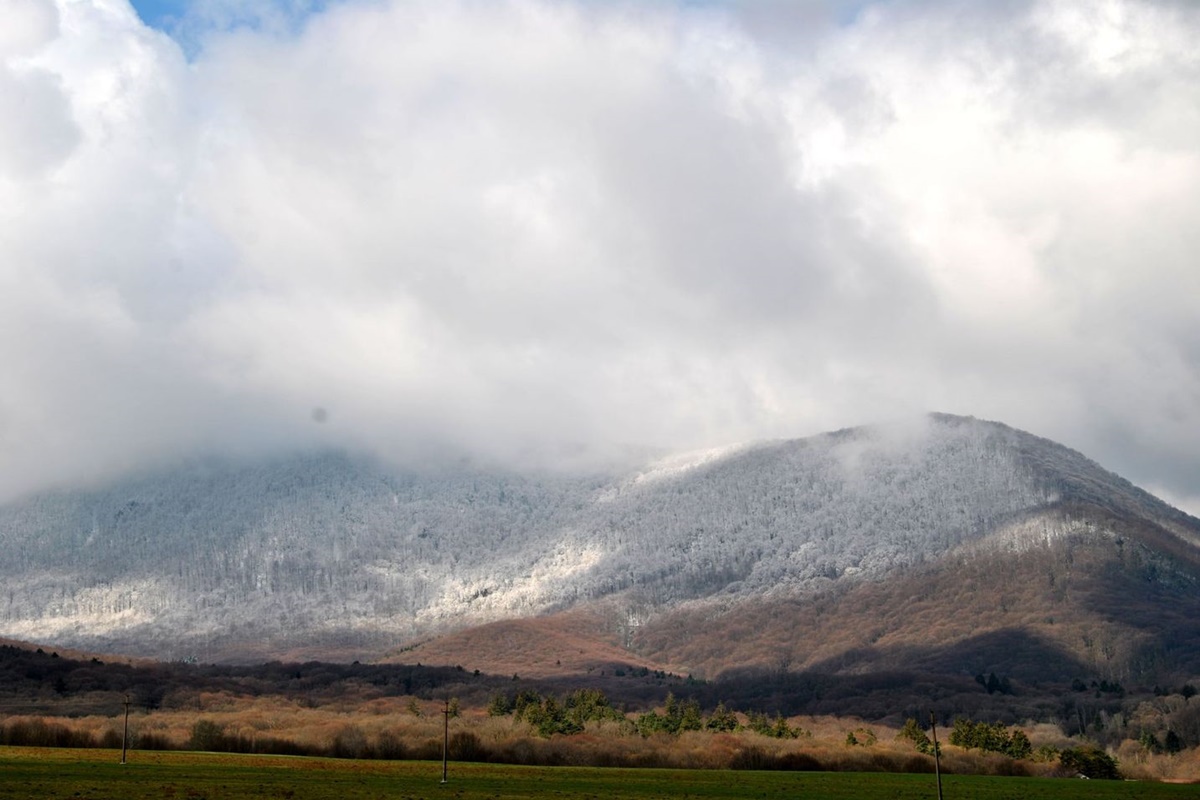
(943, 545)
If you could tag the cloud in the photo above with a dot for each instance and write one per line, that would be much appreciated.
(37, 132)
(545, 231)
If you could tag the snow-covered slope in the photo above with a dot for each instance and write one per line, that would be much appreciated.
(217, 559)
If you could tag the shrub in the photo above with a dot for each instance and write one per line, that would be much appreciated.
(992, 737)
(350, 743)
(861, 736)
(465, 746)
(777, 728)
(153, 741)
(752, 758)
(1090, 762)
(798, 762)
(38, 733)
(207, 736)
(1045, 754)
(389, 746)
(279, 747)
(913, 732)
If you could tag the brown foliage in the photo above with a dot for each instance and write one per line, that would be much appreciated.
(372, 730)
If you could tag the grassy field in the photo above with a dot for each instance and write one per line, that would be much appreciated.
(96, 774)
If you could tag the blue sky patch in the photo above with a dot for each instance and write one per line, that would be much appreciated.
(189, 21)
(162, 14)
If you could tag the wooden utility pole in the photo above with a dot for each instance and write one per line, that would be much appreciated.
(937, 754)
(125, 733)
(445, 738)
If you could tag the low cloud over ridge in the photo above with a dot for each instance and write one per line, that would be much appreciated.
(545, 231)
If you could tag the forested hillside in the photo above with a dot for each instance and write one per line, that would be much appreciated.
(336, 554)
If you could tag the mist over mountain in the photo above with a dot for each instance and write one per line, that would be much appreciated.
(799, 552)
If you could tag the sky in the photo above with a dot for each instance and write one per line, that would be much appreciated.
(552, 232)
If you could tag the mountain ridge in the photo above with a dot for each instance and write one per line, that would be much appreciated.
(330, 555)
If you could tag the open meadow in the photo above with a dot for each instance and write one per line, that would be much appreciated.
(99, 775)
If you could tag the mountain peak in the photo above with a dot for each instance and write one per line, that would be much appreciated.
(333, 554)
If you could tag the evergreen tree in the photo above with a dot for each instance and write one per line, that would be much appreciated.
(781, 730)
(722, 719)
(499, 706)
(1019, 745)
(913, 732)
(689, 717)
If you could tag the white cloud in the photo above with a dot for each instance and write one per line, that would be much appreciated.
(528, 229)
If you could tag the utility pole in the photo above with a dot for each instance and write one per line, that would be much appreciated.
(937, 754)
(125, 733)
(445, 738)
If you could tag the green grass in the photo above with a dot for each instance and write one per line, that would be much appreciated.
(96, 774)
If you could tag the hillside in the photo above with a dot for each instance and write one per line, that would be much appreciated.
(929, 545)
(1081, 602)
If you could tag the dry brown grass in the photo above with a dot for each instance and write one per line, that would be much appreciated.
(377, 725)
(578, 642)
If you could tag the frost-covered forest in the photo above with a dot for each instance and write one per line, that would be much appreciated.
(336, 547)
